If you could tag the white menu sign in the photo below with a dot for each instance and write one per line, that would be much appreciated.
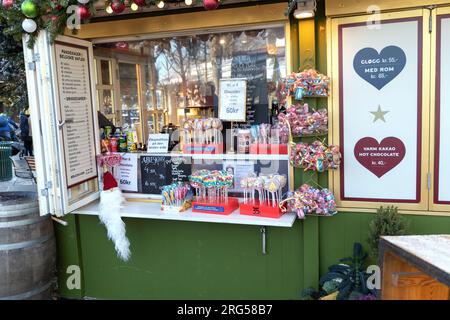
(76, 108)
(233, 100)
(127, 172)
(442, 169)
(380, 92)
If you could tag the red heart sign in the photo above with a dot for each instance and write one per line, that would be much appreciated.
(379, 158)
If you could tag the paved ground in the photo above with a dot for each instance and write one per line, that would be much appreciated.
(18, 184)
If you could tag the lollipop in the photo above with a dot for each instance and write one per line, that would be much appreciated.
(217, 127)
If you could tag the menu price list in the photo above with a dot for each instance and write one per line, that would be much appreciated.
(77, 111)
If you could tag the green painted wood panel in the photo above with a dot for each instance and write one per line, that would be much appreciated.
(186, 260)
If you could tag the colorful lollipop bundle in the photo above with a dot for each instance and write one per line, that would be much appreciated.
(269, 139)
(177, 196)
(262, 195)
(308, 83)
(309, 200)
(268, 187)
(211, 185)
(304, 122)
(202, 131)
(211, 188)
(315, 156)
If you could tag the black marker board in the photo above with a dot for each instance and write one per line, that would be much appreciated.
(252, 66)
(158, 171)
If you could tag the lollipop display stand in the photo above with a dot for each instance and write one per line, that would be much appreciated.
(211, 188)
(265, 148)
(268, 139)
(269, 191)
(224, 206)
(176, 198)
(263, 210)
(176, 209)
(202, 136)
(202, 148)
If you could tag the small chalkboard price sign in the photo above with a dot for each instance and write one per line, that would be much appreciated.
(158, 171)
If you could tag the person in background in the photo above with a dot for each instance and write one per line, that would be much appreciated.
(7, 128)
(25, 133)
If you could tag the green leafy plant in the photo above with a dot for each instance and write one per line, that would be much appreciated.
(349, 277)
(387, 222)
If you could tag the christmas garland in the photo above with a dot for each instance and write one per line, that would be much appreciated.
(32, 16)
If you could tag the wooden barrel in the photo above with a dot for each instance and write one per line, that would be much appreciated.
(27, 249)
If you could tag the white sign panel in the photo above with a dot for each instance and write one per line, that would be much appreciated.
(380, 111)
(239, 170)
(76, 108)
(442, 169)
(233, 100)
(127, 172)
(158, 143)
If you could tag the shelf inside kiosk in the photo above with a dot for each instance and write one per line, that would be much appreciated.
(143, 178)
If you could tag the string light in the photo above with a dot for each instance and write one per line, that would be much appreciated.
(109, 9)
(188, 2)
(134, 6)
(161, 4)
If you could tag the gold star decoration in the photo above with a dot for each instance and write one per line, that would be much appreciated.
(379, 114)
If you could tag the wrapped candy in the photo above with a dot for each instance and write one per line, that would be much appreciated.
(109, 159)
(304, 122)
(308, 83)
(309, 200)
(316, 156)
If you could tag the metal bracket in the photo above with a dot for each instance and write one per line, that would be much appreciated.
(61, 124)
(32, 63)
(263, 239)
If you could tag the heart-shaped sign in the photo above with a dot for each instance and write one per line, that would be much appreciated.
(379, 69)
(379, 158)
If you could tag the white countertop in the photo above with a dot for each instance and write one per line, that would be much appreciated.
(148, 210)
(433, 249)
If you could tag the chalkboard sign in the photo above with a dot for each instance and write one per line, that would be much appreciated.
(253, 67)
(158, 171)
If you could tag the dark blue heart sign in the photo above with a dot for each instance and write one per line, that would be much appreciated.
(379, 69)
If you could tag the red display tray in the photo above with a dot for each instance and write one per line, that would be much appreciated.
(256, 209)
(260, 148)
(223, 208)
(193, 148)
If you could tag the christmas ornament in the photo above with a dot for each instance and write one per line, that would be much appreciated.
(140, 3)
(118, 6)
(83, 12)
(29, 9)
(111, 200)
(29, 25)
(210, 4)
(83, 1)
(7, 4)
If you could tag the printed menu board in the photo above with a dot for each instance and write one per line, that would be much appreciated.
(76, 109)
(442, 169)
(380, 84)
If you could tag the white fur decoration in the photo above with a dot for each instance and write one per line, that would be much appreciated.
(110, 204)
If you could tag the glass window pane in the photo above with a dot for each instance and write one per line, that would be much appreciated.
(181, 74)
(129, 98)
(105, 66)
